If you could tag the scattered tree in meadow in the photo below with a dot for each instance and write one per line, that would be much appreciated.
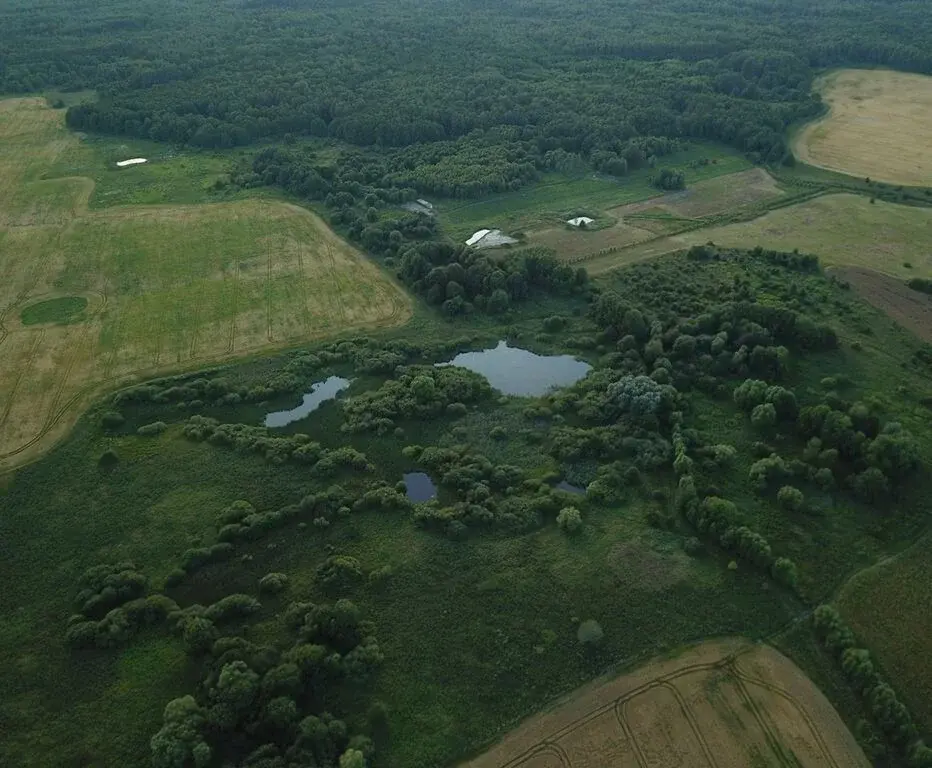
(589, 633)
(569, 520)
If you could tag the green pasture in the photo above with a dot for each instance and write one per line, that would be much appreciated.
(557, 196)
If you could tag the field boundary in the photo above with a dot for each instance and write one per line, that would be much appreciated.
(533, 737)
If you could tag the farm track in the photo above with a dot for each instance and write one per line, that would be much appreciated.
(744, 679)
(584, 724)
(33, 353)
(619, 705)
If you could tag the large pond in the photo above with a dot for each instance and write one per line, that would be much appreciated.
(419, 486)
(320, 393)
(517, 371)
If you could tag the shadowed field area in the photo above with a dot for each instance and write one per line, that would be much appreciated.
(889, 607)
(148, 288)
(878, 125)
(723, 703)
(911, 309)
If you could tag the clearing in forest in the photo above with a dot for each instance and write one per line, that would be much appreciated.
(558, 197)
(91, 299)
(879, 124)
(723, 704)
(841, 229)
(642, 221)
(889, 608)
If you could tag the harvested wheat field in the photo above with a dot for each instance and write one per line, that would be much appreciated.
(722, 704)
(879, 124)
(911, 309)
(153, 288)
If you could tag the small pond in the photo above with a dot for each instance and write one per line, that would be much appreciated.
(419, 486)
(569, 487)
(515, 371)
(320, 393)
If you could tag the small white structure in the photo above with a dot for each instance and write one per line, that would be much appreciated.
(132, 161)
(423, 202)
(477, 236)
(580, 221)
(490, 238)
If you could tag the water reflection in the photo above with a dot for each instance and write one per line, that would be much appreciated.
(320, 393)
(419, 486)
(516, 371)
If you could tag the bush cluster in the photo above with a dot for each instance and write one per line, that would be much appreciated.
(417, 392)
(269, 703)
(888, 712)
(297, 448)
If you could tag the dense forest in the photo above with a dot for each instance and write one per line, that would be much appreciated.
(464, 81)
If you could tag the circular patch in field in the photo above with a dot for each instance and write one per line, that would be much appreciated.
(61, 310)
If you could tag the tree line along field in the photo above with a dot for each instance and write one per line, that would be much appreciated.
(164, 286)
(478, 609)
(889, 607)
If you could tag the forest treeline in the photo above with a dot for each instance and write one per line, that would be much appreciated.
(561, 77)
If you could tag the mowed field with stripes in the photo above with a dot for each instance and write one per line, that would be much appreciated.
(163, 287)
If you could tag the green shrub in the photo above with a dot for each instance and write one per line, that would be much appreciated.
(273, 583)
(589, 633)
(153, 429)
(569, 520)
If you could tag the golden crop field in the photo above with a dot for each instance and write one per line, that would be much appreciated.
(879, 125)
(722, 704)
(91, 299)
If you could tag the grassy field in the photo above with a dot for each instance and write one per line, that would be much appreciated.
(842, 229)
(165, 286)
(879, 125)
(889, 607)
(720, 703)
(636, 223)
(559, 197)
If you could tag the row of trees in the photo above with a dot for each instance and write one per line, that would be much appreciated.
(889, 714)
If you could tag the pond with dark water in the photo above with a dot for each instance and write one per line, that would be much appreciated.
(320, 393)
(569, 487)
(419, 486)
(516, 371)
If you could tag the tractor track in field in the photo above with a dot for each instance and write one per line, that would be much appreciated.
(30, 360)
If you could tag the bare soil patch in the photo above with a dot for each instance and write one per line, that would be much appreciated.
(879, 124)
(911, 309)
(722, 704)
